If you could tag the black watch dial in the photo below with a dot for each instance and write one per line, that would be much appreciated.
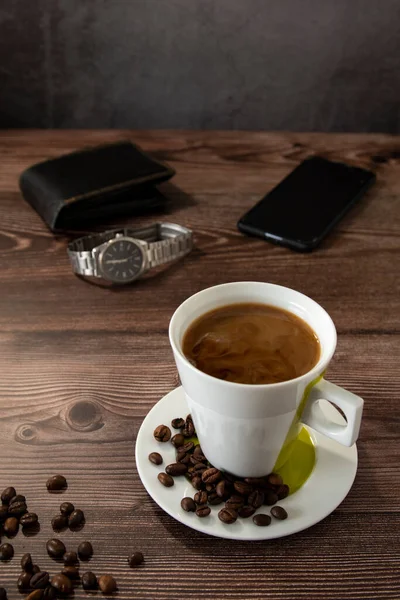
(121, 261)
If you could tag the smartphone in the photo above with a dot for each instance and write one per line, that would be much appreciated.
(301, 210)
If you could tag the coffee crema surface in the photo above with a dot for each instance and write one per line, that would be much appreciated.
(251, 343)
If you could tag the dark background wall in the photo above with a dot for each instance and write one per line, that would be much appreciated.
(331, 65)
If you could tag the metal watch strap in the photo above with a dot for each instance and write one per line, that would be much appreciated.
(166, 242)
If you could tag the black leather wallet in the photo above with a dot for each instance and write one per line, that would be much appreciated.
(93, 183)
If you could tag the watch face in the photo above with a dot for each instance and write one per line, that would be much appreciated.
(121, 261)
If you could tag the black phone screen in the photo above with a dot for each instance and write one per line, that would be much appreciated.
(301, 210)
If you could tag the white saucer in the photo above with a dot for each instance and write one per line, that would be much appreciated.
(329, 483)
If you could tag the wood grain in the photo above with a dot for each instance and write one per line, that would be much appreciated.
(80, 366)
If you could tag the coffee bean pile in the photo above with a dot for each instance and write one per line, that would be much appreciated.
(241, 496)
(68, 517)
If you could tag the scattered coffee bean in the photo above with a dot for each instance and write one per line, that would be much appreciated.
(178, 423)
(76, 518)
(165, 479)
(243, 488)
(55, 548)
(39, 581)
(203, 510)
(211, 475)
(59, 522)
(256, 499)
(7, 494)
(187, 447)
(66, 508)
(176, 469)
(35, 595)
(177, 440)
(62, 583)
(235, 501)
(89, 581)
(246, 511)
(155, 458)
(71, 572)
(279, 513)
(214, 499)
(49, 593)
(107, 584)
(200, 497)
(197, 449)
(256, 481)
(17, 508)
(188, 430)
(6, 552)
(35, 569)
(70, 558)
(3, 593)
(223, 489)
(262, 520)
(18, 498)
(56, 483)
(274, 479)
(282, 492)
(162, 433)
(10, 526)
(196, 459)
(270, 498)
(188, 504)
(26, 562)
(197, 483)
(29, 519)
(3, 512)
(210, 487)
(85, 550)
(183, 457)
(24, 580)
(199, 469)
(227, 515)
(136, 559)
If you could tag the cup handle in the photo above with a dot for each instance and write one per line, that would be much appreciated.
(350, 404)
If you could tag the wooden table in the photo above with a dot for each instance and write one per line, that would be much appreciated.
(80, 366)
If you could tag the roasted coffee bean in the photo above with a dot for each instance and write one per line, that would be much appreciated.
(70, 572)
(210, 487)
(162, 433)
(35, 569)
(282, 492)
(214, 499)
(211, 475)
(29, 519)
(279, 513)
(3, 512)
(107, 584)
(274, 479)
(55, 548)
(188, 430)
(11, 526)
(18, 498)
(235, 501)
(230, 478)
(165, 479)
(200, 497)
(39, 581)
(17, 508)
(197, 450)
(6, 552)
(70, 558)
(256, 499)
(188, 504)
(136, 559)
(270, 498)
(49, 593)
(26, 562)
(66, 508)
(197, 483)
(7, 494)
(223, 489)
(246, 511)
(62, 583)
(59, 522)
(227, 515)
(89, 581)
(177, 440)
(35, 595)
(155, 458)
(256, 481)
(262, 520)
(85, 550)
(178, 423)
(203, 510)
(176, 469)
(183, 457)
(24, 581)
(56, 483)
(243, 488)
(187, 447)
(76, 518)
(3, 593)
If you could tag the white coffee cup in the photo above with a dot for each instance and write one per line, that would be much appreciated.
(247, 429)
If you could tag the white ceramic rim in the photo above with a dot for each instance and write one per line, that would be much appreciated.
(314, 372)
(326, 488)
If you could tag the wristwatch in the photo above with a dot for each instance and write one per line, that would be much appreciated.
(123, 255)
